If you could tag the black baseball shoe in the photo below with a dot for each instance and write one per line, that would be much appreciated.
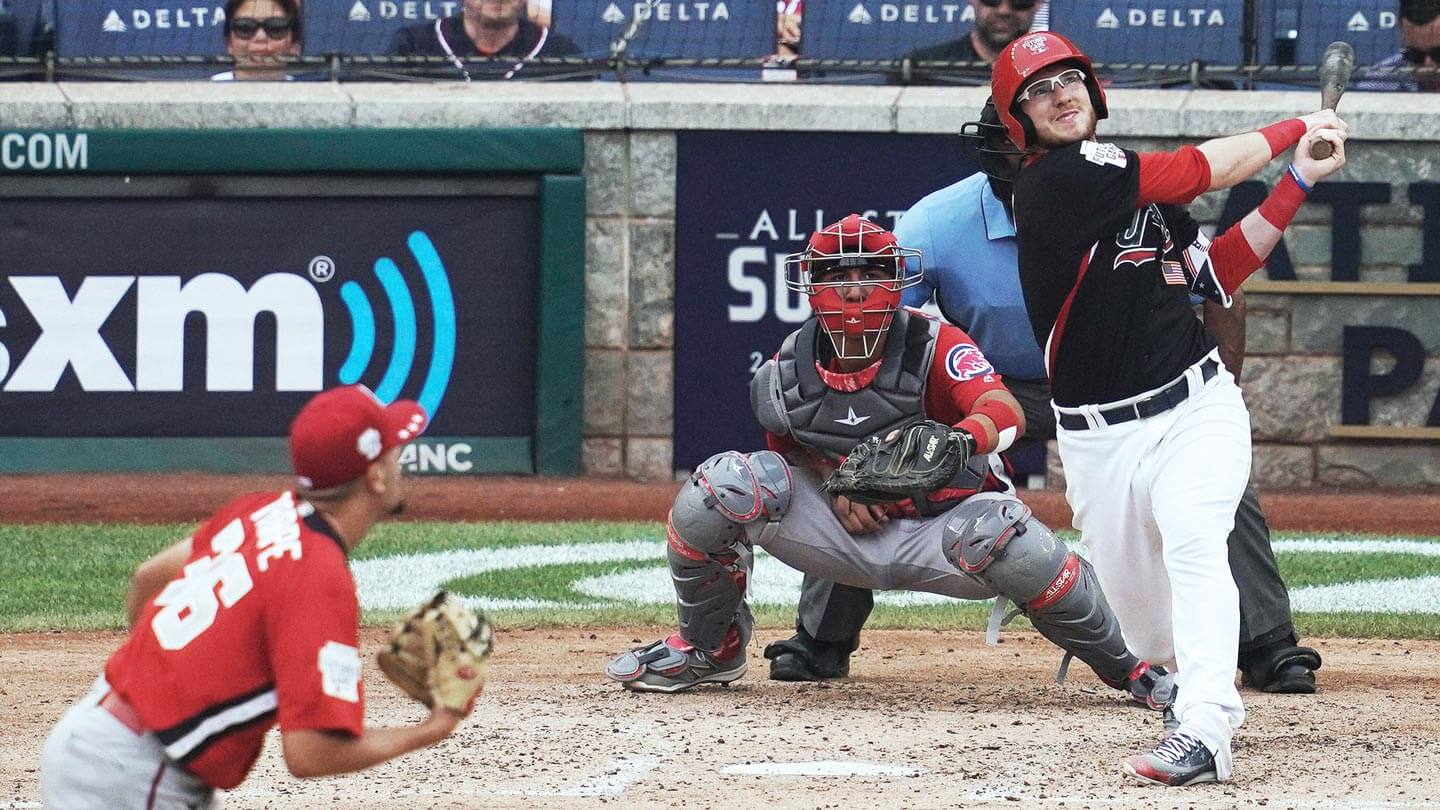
(1284, 668)
(1178, 760)
(804, 658)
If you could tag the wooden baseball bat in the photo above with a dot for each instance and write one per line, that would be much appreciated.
(1335, 68)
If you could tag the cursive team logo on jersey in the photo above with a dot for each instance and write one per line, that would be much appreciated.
(1135, 257)
(965, 362)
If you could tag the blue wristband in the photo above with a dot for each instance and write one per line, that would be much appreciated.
(1300, 181)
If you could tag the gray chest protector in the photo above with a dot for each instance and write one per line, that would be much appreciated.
(788, 395)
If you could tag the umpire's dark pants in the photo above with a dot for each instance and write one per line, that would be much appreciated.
(836, 613)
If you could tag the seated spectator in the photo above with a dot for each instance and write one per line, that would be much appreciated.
(262, 35)
(483, 29)
(997, 24)
(787, 28)
(1417, 65)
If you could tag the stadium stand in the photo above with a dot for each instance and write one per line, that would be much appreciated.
(26, 27)
(670, 30)
(871, 30)
(1241, 43)
(1295, 32)
(1167, 32)
(138, 28)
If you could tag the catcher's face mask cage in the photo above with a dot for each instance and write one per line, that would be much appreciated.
(853, 272)
(990, 146)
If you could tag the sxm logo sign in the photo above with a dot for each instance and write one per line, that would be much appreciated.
(70, 330)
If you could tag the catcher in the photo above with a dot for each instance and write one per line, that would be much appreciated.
(916, 504)
(253, 621)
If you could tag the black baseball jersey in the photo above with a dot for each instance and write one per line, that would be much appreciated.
(1106, 279)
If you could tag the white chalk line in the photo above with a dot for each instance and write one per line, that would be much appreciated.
(397, 583)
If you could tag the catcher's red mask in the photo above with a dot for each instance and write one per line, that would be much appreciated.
(853, 272)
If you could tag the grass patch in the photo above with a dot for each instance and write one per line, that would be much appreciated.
(74, 577)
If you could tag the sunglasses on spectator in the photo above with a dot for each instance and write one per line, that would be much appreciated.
(1018, 5)
(1416, 56)
(1040, 89)
(248, 27)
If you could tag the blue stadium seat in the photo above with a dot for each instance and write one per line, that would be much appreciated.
(1156, 32)
(881, 29)
(688, 29)
(366, 27)
(25, 23)
(139, 28)
(1293, 32)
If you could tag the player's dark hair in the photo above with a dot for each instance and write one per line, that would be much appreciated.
(290, 7)
(1420, 12)
(331, 495)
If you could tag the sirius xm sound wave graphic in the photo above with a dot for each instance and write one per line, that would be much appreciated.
(401, 360)
(193, 317)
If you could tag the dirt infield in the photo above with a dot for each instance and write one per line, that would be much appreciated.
(190, 497)
(927, 719)
(957, 723)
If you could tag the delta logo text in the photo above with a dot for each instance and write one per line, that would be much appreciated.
(911, 13)
(668, 12)
(363, 12)
(302, 304)
(157, 17)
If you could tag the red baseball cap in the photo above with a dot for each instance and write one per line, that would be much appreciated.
(341, 431)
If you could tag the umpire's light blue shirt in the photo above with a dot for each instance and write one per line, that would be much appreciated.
(967, 244)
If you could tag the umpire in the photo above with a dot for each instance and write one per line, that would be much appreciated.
(966, 232)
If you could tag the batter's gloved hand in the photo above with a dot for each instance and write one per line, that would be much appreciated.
(908, 463)
(439, 654)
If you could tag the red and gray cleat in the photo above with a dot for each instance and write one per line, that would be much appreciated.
(1151, 687)
(1179, 760)
(671, 665)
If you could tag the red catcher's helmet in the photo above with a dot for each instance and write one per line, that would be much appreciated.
(1022, 59)
(855, 326)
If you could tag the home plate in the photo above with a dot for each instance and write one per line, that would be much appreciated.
(822, 768)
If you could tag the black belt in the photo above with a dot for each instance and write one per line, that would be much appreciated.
(1158, 403)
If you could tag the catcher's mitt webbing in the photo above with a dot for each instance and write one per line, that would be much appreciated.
(912, 461)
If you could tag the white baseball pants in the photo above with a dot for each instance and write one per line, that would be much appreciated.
(1154, 500)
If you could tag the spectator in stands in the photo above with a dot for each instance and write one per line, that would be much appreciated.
(787, 28)
(1417, 65)
(262, 35)
(997, 24)
(498, 29)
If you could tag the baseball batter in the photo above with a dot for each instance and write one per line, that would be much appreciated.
(859, 367)
(251, 622)
(966, 232)
(1153, 433)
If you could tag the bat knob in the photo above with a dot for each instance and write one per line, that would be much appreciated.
(1319, 150)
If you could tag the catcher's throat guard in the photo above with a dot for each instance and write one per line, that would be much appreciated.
(856, 323)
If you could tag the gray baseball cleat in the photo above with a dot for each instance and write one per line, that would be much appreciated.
(1178, 760)
(1151, 686)
(671, 665)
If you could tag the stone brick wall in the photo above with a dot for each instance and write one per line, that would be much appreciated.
(1292, 375)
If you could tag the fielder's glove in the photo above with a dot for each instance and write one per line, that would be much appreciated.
(439, 654)
(907, 463)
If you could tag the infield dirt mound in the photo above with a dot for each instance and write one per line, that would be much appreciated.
(189, 497)
(973, 725)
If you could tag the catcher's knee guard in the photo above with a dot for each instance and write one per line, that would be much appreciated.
(999, 541)
(709, 558)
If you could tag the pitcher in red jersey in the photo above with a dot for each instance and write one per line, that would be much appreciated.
(251, 622)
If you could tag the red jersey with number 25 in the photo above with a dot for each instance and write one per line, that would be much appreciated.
(261, 627)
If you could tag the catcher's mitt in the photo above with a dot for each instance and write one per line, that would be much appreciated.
(439, 654)
(910, 462)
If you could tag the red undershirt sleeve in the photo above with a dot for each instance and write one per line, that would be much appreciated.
(1173, 177)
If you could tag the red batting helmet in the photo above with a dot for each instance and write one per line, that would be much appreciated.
(1022, 59)
(854, 327)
